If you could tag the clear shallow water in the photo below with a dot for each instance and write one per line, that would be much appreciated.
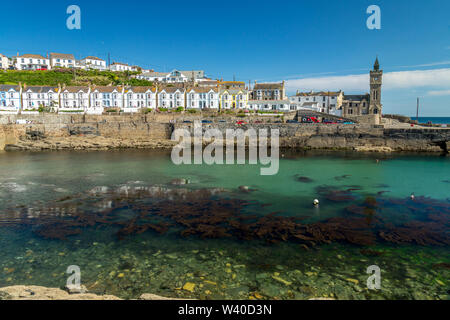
(434, 120)
(38, 190)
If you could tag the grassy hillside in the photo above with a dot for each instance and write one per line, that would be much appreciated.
(68, 77)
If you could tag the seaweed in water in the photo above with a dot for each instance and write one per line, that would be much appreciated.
(207, 213)
(303, 179)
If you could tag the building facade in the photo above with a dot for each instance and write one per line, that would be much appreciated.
(171, 97)
(34, 97)
(31, 62)
(268, 91)
(137, 98)
(323, 101)
(104, 97)
(233, 99)
(4, 62)
(74, 99)
(202, 98)
(175, 76)
(10, 98)
(116, 67)
(269, 105)
(93, 63)
(62, 60)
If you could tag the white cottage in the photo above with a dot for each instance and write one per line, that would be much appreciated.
(93, 63)
(10, 102)
(202, 98)
(4, 62)
(62, 60)
(102, 97)
(270, 105)
(34, 97)
(74, 99)
(116, 66)
(136, 98)
(324, 101)
(31, 62)
(171, 97)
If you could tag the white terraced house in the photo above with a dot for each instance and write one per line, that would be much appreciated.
(326, 101)
(93, 63)
(74, 99)
(31, 62)
(137, 98)
(34, 97)
(171, 97)
(10, 99)
(202, 98)
(116, 66)
(4, 62)
(270, 105)
(62, 60)
(105, 97)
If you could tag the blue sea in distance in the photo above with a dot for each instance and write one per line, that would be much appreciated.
(434, 120)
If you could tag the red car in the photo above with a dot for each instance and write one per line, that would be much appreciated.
(241, 122)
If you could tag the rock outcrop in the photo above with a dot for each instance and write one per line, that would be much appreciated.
(43, 293)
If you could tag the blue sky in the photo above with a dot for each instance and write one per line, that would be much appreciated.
(315, 45)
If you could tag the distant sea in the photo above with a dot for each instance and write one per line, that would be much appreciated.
(434, 120)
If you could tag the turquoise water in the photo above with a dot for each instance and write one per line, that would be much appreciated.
(132, 228)
(434, 120)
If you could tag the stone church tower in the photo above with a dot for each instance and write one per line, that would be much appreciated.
(376, 81)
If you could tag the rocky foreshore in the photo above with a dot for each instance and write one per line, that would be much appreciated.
(43, 293)
(103, 135)
(94, 143)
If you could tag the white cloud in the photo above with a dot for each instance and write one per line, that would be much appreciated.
(439, 93)
(433, 64)
(437, 79)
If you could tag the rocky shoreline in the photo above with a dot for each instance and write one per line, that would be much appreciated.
(93, 143)
(43, 293)
(27, 293)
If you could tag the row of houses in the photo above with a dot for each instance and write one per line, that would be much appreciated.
(224, 95)
(35, 62)
(60, 60)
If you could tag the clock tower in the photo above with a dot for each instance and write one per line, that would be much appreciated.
(376, 81)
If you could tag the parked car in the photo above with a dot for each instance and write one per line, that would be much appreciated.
(309, 120)
(222, 121)
(292, 121)
(241, 122)
(187, 121)
(206, 121)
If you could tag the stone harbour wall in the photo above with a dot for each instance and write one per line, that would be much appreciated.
(50, 132)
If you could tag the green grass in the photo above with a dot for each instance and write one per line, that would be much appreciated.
(68, 77)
